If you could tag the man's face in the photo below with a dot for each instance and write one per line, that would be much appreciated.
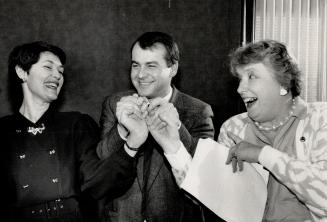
(150, 74)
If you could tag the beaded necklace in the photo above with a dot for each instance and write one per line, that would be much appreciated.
(280, 123)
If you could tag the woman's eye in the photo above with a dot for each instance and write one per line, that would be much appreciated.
(47, 67)
(252, 76)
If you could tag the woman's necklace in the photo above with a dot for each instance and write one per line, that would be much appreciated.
(275, 126)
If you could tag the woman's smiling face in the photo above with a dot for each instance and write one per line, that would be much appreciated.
(45, 78)
(259, 90)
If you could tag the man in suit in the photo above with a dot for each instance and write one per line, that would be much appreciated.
(125, 121)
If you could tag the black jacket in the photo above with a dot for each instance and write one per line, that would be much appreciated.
(51, 159)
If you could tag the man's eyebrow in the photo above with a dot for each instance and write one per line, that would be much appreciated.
(152, 62)
(147, 63)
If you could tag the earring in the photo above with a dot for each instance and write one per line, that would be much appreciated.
(283, 91)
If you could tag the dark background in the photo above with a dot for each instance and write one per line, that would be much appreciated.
(97, 34)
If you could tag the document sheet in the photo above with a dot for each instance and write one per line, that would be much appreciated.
(235, 197)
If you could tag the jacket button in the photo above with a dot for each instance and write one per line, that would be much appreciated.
(302, 139)
(55, 180)
(25, 186)
(22, 156)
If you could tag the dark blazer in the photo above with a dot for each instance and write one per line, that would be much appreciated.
(48, 167)
(154, 194)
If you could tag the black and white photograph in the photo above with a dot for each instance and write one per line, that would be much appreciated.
(163, 110)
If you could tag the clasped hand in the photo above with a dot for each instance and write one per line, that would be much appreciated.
(157, 116)
(242, 151)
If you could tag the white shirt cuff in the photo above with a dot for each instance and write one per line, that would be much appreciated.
(179, 159)
(122, 131)
(132, 153)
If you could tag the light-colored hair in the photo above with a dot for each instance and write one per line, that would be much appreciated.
(273, 54)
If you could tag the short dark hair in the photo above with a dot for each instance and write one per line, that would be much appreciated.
(24, 56)
(150, 39)
(27, 54)
(275, 55)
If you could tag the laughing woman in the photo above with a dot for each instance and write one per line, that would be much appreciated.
(44, 151)
(47, 157)
(280, 131)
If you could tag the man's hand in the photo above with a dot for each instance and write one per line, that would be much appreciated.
(242, 151)
(130, 114)
(163, 123)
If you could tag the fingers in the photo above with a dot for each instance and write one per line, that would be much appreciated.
(234, 164)
(131, 112)
(156, 103)
(157, 124)
(144, 107)
(240, 164)
(157, 113)
(169, 122)
(166, 113)
(134, 105)
(126, 105)
(232, 158)
(231, 155)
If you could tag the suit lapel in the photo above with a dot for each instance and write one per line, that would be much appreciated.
(157, 157)
(156, 165)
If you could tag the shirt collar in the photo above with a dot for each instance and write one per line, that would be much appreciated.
(168, 96)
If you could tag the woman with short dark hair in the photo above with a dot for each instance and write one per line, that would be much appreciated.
(46, 154)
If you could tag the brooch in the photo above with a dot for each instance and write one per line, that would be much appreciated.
(36, 130)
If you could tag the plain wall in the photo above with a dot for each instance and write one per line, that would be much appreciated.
(97, 35)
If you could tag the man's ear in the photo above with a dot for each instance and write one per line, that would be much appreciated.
(174, 69)
(22, 74)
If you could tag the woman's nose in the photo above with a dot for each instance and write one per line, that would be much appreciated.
(242, 86)
(57, 74)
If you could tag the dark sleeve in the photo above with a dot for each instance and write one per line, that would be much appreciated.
(111, 175)
(110, 141)
(201, 126)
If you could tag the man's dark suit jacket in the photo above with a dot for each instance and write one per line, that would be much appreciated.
(157, 197)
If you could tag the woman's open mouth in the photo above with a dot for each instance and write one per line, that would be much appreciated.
(250, 101)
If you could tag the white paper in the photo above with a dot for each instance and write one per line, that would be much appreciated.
(235, 197)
